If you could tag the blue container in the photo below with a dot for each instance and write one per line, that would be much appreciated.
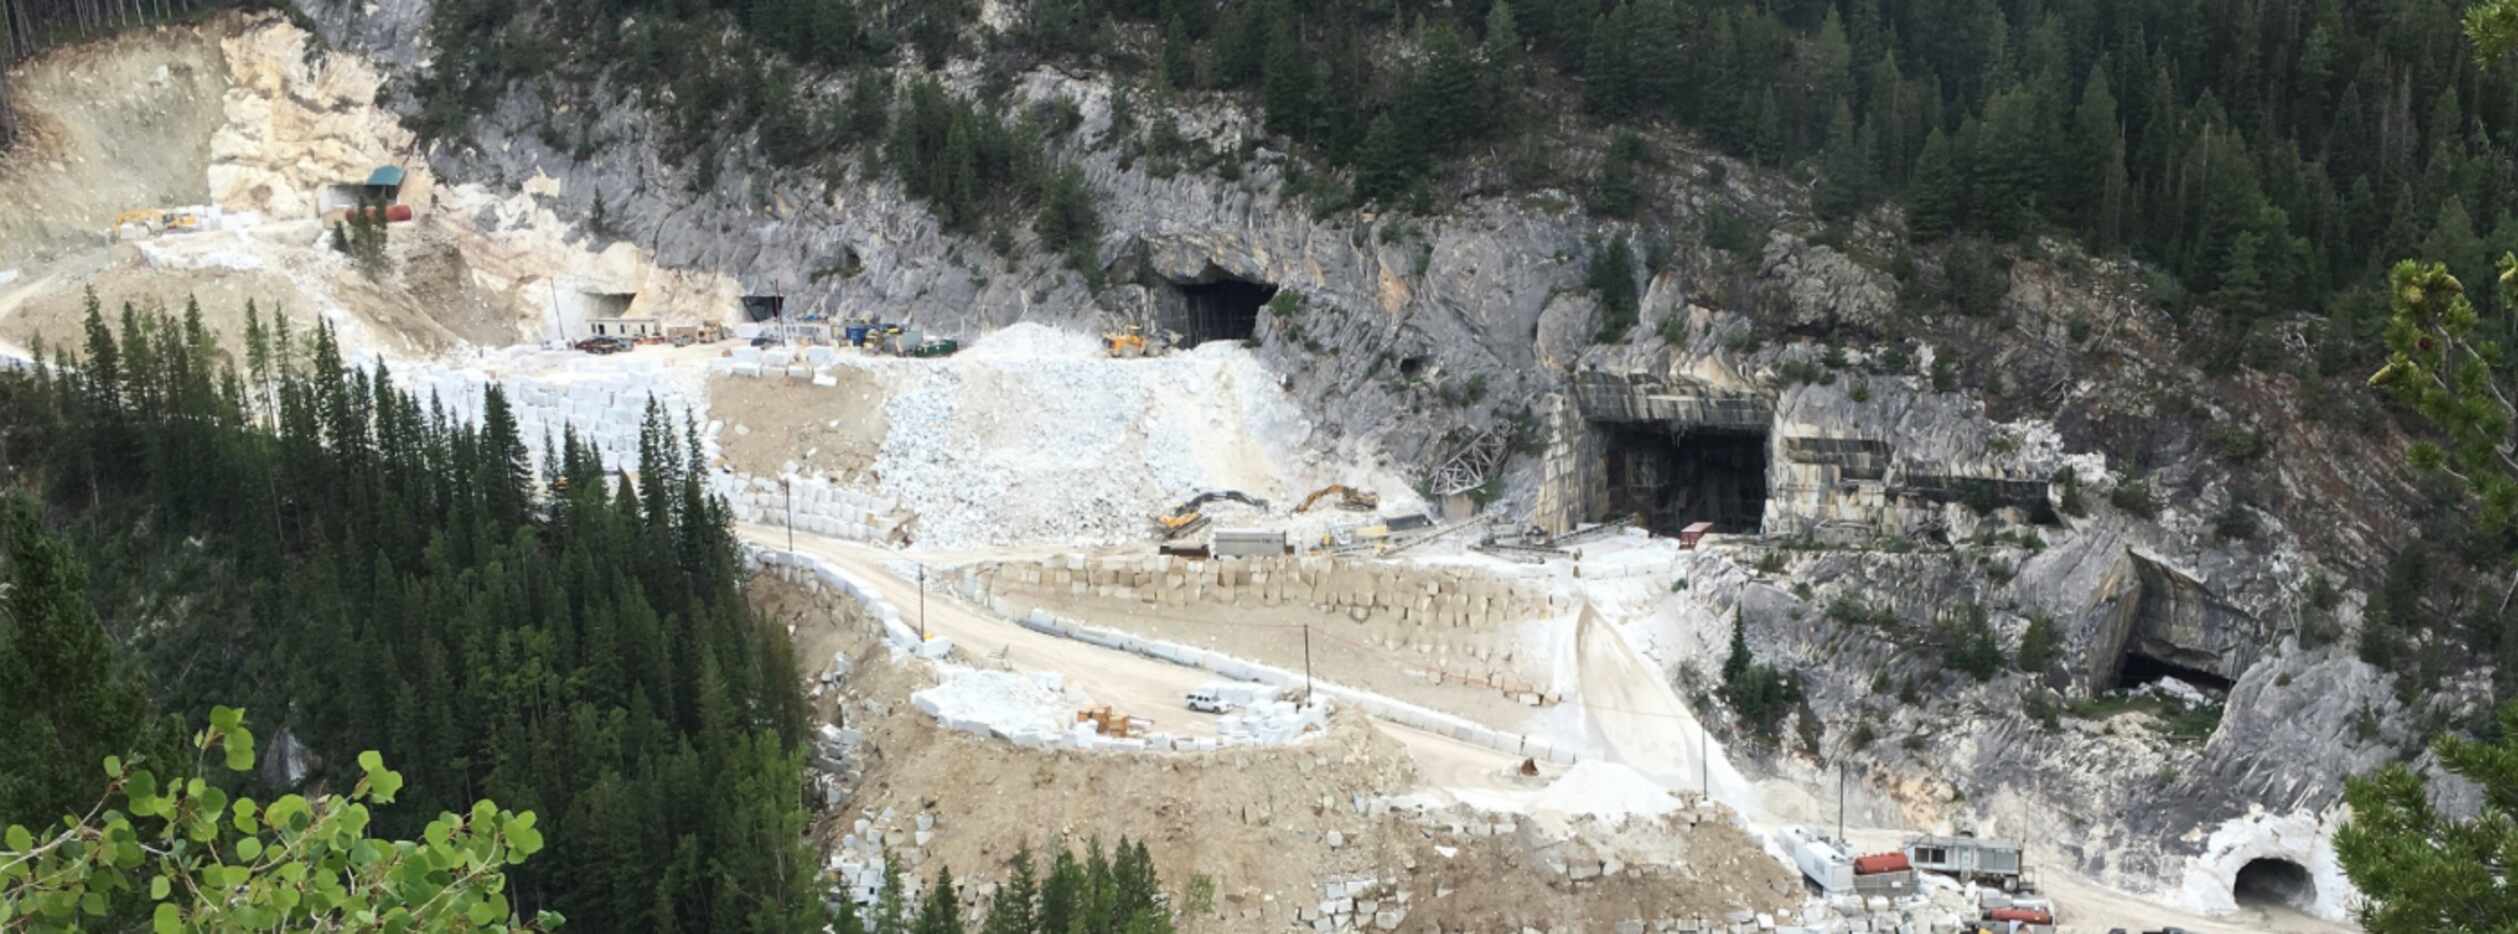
(857, 333)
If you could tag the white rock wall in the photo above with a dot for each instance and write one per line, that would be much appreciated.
(548, 391)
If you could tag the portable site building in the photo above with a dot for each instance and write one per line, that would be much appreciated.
(632, 328)
(383, 185)
(1965, 857)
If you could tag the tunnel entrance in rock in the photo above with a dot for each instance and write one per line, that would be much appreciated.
(758, 308)
(2140, 668)
(1219, 306)
(2274, 882)
(1674, 476)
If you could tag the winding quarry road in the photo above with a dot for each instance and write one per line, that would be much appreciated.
(1628, 709)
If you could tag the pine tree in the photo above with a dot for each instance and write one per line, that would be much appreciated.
(2108, 221)
(1179, 72)
(1611, 275)
(2037, 646)
(507, 470)
(1932, 199)
(1503, 44)
(1385, 167)
(1241, 45)
(1133, 886)
(1608, 71)
(1288, 92)
(1445, 95)
(1767, 140)
(1617, 193)
(2094, 134)
(942, 913)
(73, 703)
(1014, 909)
(891, 905)
(2423, 870)
(2004, 165)
(1062, 896)
(1846, 181)
(1736, 665)
(845, 920)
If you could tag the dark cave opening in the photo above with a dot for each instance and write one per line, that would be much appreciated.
(2141, 668)
(1413, 367)
(764, 307)
(1674, 477)
(1223, 308)
(2274, 881)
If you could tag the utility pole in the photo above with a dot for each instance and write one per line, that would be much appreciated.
(1705, 758)
(1840, 805)
(1307, 663)
(922, 603)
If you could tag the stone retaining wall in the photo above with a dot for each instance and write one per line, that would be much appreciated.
(1361, 590)
(1461, 625)
(818, 507)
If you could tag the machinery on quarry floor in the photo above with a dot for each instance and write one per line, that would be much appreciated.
(1188, 516)
(1129, 338)
(1348, 498)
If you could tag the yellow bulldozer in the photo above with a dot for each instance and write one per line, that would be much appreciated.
(1348, 498)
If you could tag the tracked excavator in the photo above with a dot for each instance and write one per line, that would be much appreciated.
(1348, 498)
(1188, 517)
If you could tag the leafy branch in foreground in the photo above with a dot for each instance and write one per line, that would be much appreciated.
(210, 864)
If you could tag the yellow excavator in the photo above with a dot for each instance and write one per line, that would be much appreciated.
(146, 219)
(1188, 516)
(1348, 498)
(1128, 341)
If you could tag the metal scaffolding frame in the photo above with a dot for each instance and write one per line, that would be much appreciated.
(1468, 468)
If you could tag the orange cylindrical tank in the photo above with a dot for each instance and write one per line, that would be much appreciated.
(397, 213)
(2021, 915)
(1880, 862)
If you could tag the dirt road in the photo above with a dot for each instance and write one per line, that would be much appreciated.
(1632, 710)
(1139, 686)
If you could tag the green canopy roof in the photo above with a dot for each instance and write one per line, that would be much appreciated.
(388, 175)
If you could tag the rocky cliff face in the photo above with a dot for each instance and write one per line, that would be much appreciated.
(1796, 388)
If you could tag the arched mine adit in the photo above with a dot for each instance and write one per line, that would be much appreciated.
(1215, 306)
(2273, 881)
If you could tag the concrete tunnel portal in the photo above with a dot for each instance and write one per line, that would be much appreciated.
(2275, 882)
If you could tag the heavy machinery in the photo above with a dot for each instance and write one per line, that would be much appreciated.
(1348, 498)
(1113, 723)
(1128, 341)
(1179, 524)
(1188, 517)
(143, 217)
